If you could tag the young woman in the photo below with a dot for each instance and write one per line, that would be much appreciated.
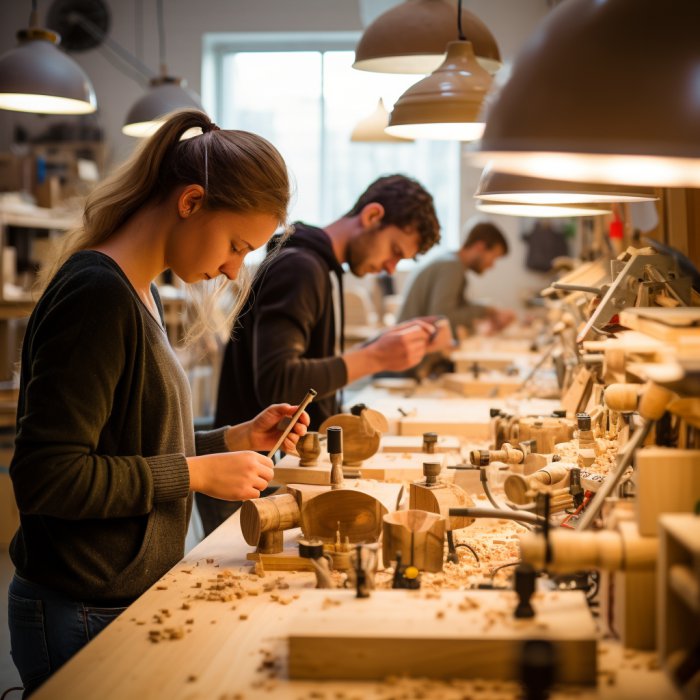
(106, 455)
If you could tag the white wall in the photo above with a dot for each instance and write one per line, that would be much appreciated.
(511, 22)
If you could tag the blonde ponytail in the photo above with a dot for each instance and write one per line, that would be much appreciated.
(240, 172)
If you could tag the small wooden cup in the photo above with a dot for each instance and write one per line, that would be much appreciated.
(309, 449)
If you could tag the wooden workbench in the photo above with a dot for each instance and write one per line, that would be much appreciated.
(211, 629)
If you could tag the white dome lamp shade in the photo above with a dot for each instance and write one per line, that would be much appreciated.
(411, 38)
(166, 94)
(38, 77)
(543, 211)
(604, 91)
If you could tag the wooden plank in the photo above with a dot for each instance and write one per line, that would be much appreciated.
(403, 634)
(488, 385)
(392, 467)
(243, 651)
(680, 326)
(466, 359)
(668, 481)
(414, 443)
(466, 418)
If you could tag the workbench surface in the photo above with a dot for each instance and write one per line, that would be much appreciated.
(213, 629)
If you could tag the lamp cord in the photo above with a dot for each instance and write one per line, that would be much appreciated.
(459, 21)
(161, 37)
(143, 73)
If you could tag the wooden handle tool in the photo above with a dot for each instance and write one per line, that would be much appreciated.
(305, 402)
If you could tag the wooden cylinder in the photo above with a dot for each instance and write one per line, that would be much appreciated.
(607, 549)
(418, 535)
(261, 515)
(517, 485)
(622, 397)
(573, 551)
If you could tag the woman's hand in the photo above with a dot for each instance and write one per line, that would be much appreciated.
(262, 432)
(232, 476)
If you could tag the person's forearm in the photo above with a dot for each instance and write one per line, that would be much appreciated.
(360, 362)
(238, 437)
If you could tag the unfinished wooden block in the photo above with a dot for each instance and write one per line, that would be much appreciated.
(459, 634)
(418, 535)
(466, 384)
(465, 360)
(678, 579)
(439, 498)
(668, 481)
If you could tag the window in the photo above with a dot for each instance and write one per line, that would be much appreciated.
(301, 92)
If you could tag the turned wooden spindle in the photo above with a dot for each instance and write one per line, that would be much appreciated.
(264, 520)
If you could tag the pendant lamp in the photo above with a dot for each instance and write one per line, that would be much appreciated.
(447, 104)
(542, 211)
(604, 91)
(411, 38)
(372, 127)
(166, 94)
(38, 77)
(522, 189)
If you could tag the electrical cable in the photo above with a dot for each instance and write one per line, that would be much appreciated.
(470, 548)
(161, 35)
(487, 490)
(495, 570)
(462, 37)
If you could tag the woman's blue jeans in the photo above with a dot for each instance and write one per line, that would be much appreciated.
(46, 629)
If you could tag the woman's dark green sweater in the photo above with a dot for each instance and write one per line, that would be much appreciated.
(104, 423)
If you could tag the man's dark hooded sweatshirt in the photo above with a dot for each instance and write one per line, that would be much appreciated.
(284, 340)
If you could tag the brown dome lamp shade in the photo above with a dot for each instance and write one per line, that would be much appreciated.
(604, 91)
(522, 189)
(38, 77)
(447, 104)
(411, 38)
(166, 94)
(372, 127)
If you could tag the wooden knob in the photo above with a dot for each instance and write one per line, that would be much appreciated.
(654, 400)
(622, 397)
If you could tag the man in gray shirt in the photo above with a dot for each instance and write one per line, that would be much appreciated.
(439, 285)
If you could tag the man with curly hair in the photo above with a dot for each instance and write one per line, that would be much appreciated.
(289, 336)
